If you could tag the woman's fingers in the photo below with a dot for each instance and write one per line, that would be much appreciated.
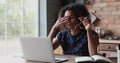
(84, 20)
(63, 19)
(60, 22)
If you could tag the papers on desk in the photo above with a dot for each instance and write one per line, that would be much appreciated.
(59, 60)
(92, 59)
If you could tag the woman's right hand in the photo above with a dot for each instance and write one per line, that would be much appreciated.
(60, 22)
(57, 26)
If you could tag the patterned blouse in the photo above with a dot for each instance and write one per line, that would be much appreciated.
(74, 45)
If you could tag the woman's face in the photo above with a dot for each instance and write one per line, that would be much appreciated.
(72, 20)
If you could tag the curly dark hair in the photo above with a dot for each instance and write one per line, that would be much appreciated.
(78, 10)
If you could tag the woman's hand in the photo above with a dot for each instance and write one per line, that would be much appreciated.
(60, 22)
(56, 27)
(86, 22)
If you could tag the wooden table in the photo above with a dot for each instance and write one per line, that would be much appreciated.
(15, 59)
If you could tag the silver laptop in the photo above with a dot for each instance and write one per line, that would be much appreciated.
(39, 49)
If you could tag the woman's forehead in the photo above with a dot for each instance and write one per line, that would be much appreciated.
(69, 13)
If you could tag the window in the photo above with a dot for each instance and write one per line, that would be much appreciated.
(17, 18)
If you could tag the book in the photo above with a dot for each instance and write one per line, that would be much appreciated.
(92, 59)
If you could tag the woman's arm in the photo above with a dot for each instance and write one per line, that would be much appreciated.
(56, 27)
(93, 40)
(55, 40)
(52, 35)
(55, 30)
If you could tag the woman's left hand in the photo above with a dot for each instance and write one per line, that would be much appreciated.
(86, 22)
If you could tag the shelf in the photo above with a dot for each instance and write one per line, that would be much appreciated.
(109, 41)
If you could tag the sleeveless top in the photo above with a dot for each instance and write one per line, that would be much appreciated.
(74, 45)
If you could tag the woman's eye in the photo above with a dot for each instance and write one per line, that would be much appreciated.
(72, 17)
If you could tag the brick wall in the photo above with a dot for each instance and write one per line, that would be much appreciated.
(108, 12)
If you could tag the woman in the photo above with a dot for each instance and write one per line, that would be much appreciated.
(77, 38)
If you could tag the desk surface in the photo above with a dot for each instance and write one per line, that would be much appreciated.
(15, 59)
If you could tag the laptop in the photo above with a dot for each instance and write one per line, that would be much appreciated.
(39, 49)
